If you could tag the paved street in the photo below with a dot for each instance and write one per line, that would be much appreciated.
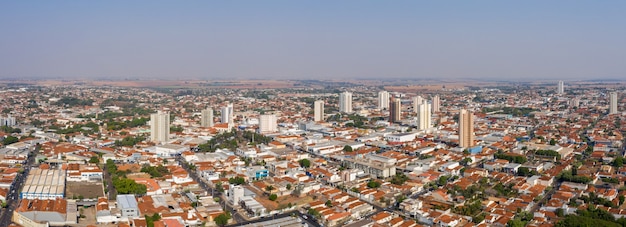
(13, 196)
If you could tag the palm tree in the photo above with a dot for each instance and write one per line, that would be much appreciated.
(269, 188)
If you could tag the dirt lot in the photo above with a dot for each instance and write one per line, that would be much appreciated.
(86, 189)
(282, 201)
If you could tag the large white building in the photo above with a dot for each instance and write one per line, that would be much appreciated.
(267, 123)
(423, 116)
(159, 127)
(227, 114)
(44, 184)
(7, 121)
(207, 118)
(345, 102)
(235, 194)
(318, 110)
(383, 100)
(560, 88)
(613, 103)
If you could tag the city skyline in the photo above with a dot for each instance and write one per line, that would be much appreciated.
(339, 40)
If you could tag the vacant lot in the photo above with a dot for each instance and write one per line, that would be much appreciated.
(85, 189)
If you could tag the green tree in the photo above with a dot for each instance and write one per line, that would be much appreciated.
(94, 159)
(347, 148)
(552, 141)
(373, 184)
(288, 186)
(273, 197)
(237, 180)
(618, 161)
(221, 220)
(10, 140)
(305, 163)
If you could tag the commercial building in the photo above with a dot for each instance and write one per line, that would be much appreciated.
(44, 184)
(318, 113)
(376, 166)
(613, 103)
(159, 127)
(267, 123)
(395, 111)
(383, 100)
(466, 128)
(235, 193)
(345, 102)
(207, 118)
(128, 206)
(45, 213)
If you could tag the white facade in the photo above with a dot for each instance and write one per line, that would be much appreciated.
(560, 88)
(613, 103)
(423, 116)
(227, 114)
(267, 123)
(417, 100)
(7, 121)
(159, 127)
(235, 193)
(207, 118)
(383, 100)
(345, 102)
(168, 150)
(318, 110)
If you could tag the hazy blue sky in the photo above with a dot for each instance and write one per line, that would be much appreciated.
(313, 39)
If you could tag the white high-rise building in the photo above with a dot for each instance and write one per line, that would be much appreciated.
(417, 100)
(383, 100)
(613, 103)
(318, 110)
(267, 123)
(227, 114)
(345, 102)
(207, 118)
(436, 104)
(423, 116)
(7, 121)
(560, 88)
(159, 127)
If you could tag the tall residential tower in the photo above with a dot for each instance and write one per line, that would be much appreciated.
(423, 116)
(207, 118)
(383, 100)
(345, 102)
(159, 127)
(613, 103)
(318, 110)
(395, 110)
(466, 128)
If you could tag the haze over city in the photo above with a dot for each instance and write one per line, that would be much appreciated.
(503, 40)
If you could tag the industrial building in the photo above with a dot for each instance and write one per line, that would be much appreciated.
(44, 184)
